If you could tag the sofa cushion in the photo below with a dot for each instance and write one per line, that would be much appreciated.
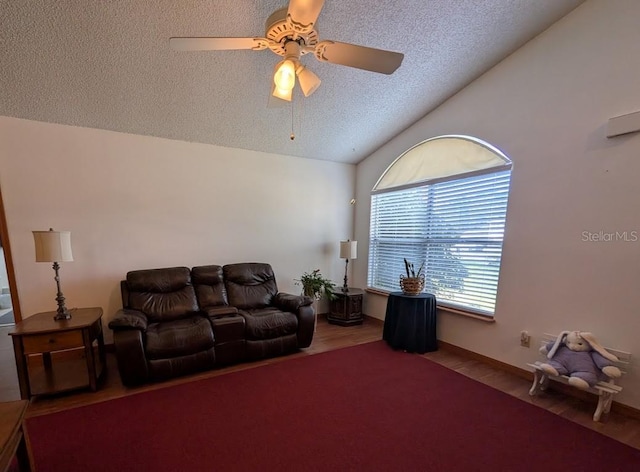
(268, 323)
(158, 280)
(263, 348)
(250, 284)
(209, 286)
(162, 294)
(178, 338)
(161, 369)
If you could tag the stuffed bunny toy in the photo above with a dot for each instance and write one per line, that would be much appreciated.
(579, 356)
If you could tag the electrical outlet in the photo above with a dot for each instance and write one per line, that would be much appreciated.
(525, 339)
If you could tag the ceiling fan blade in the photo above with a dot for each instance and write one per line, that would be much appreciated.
(303, 14)
(360, 57)
(217, 44)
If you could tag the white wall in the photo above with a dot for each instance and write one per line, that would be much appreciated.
(546, 107)
(135, 202)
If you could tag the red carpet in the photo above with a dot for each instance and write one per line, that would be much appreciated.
(363, 408)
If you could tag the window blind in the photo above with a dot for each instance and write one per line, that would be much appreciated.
(455, 227)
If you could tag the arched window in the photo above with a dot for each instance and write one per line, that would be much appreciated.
(442, 205)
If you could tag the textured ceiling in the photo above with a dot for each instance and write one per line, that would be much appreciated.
(108, 65)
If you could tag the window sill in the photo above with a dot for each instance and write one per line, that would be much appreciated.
(467, 314)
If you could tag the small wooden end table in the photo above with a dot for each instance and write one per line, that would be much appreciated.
(346, 307)
(14, 441)
(40, 336)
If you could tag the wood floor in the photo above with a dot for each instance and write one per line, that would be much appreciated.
(329, 337)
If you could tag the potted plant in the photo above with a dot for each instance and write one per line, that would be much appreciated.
(315, 285)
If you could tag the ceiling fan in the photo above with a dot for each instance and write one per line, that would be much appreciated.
(290, 32)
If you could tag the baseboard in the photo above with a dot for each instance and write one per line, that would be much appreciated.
(619, 408)
(522, 373)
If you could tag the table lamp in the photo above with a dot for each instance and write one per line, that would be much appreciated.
(55, 246)
(348, 250)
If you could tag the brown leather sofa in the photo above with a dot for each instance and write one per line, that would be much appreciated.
(177, 321)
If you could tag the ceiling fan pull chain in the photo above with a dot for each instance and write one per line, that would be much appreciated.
(292, 136)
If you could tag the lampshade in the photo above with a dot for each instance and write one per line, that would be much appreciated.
(281, 93)
(348, 249)
(53, 246)
(309, 82)
(285, 75)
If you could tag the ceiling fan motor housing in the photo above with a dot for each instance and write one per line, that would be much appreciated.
(280, 31)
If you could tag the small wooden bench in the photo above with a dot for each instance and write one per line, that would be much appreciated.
(605, 390)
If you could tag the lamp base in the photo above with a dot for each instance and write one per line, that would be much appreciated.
(345, 287)
(64, 315)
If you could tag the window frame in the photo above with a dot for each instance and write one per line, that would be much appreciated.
(466, 309)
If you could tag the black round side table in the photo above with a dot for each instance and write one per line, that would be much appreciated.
(410, 322)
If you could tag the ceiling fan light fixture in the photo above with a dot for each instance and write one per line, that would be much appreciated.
(282, 94)
(285, 75)
(309, 82)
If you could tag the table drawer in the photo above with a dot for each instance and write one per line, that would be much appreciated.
(52, 342)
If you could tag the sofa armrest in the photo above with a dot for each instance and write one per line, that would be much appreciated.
(220, 311)
(132, 361)
(129, 319)
(292, 303)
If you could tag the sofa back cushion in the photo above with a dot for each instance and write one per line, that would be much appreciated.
(209, 285)
(250, 284)
(161, 294)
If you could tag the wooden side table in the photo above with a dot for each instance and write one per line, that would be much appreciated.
(14, 441)
(346, 308)
(39, 336)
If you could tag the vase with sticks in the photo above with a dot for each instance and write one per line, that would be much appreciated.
(413, 282)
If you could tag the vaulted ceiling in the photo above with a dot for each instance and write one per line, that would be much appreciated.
(108, 65)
